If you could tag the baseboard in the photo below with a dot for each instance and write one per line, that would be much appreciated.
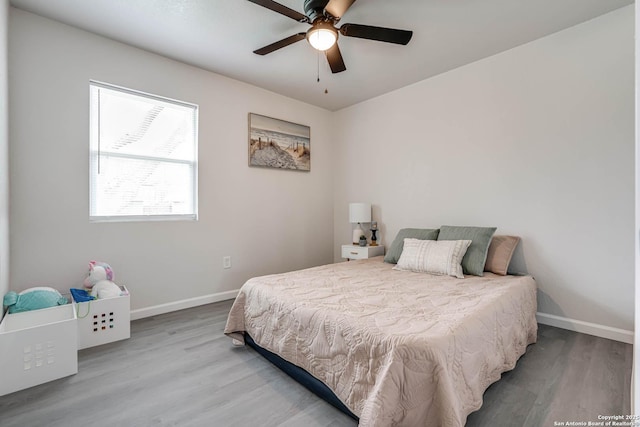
(155, 310)
(586, 327)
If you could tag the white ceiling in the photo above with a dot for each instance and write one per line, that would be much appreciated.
(221, 35)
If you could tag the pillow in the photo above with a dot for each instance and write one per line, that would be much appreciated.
(474, 260)
(434, 257)
(500, 252)
(395, 250)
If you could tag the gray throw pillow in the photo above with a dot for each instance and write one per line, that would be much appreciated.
(474, 259)
(395, 250)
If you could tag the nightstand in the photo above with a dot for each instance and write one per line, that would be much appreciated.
(361, 252)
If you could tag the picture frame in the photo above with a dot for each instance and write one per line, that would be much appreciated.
(279, 144)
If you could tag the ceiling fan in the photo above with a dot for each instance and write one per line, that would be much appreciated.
(322, 15)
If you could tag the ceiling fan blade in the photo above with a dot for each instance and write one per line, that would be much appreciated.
(337, 8)
(284, 10)
(389, 35)
(335, 59)
(280, 44)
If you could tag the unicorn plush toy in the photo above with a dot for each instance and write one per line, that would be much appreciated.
(100, 281)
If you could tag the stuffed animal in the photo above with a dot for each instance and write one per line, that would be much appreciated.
(97, 271)
(99, 281)
(105, 289)
(33, 299)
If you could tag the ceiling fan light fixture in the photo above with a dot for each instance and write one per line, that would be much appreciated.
(322, 36)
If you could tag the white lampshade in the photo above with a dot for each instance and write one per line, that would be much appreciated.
(359, 212)
(322, 36)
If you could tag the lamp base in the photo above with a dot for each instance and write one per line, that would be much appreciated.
(356, 235)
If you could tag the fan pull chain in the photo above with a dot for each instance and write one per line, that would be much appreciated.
(318, 68)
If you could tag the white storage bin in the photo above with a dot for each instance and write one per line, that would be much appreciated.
(37, 346)
(103, 321)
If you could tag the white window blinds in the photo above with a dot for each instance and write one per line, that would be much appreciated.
(143, 156)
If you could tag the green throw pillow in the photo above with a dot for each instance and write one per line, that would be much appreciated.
(395, 250)
(474, 259)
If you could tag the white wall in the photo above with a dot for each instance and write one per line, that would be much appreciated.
(537, 141)
(4, 152)
(266, 220)
(635, 379)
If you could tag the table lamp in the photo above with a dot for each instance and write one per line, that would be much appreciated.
(359, 213)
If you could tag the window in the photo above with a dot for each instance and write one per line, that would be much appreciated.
(143, 156)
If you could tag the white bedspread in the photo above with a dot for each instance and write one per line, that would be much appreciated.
(398, 348)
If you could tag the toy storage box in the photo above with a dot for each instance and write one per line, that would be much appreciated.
(37, 346)
(103, 321)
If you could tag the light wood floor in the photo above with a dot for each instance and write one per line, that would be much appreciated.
(178, 369)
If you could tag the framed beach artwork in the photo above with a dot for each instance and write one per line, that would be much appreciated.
(279, 144)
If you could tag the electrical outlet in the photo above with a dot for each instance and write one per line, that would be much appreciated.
(226, 262)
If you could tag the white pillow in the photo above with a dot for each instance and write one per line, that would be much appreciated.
(441, 257)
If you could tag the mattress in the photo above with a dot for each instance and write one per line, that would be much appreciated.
(396, 347)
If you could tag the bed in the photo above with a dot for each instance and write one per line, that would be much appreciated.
(395, 347)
